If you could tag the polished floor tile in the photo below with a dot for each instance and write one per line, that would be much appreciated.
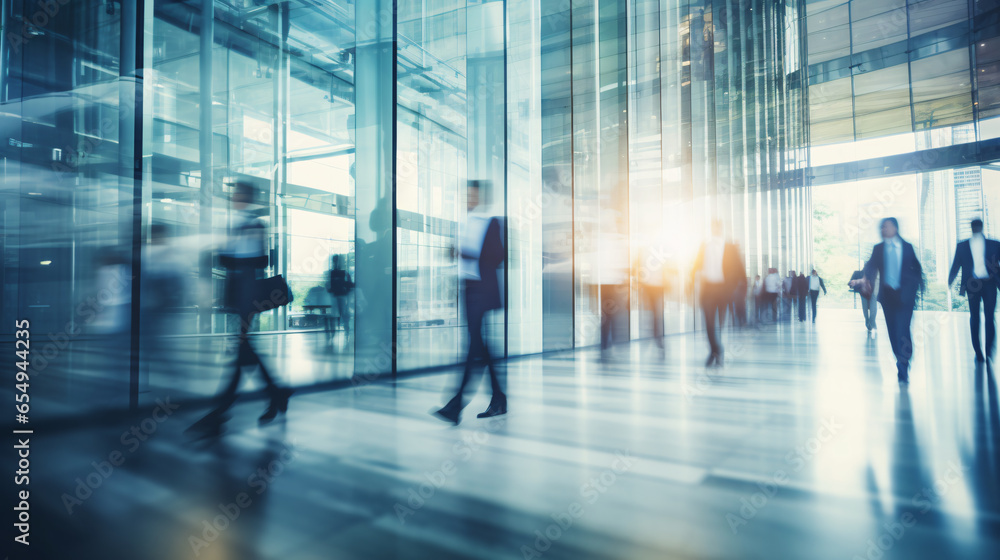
(802, 446)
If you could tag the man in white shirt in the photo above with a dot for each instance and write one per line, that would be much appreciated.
(482, 252)
(977, 257)
(721, 269)
(900, 276)
(772, 285)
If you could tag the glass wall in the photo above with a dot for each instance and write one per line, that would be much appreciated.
(603, 130)
(903, 122)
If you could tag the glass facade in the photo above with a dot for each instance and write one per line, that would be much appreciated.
(904, 117)
(359, 124)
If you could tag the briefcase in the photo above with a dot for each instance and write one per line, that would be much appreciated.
(271, 293)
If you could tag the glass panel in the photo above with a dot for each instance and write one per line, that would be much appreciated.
(432, 170)
(942, 92)
(831, 112)
(928, 15)
(829, 34)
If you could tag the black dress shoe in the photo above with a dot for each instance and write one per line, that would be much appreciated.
(711, 359)
(497, 407)
(269, 415)
(283, 399)
(449, 414)
(279, 403)
(212, 425)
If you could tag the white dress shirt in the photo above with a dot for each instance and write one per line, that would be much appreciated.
(473, 237)
(245, 240)
(711, 266)
(772, 283)
(897, 246)
(813, 283)
(977, 245)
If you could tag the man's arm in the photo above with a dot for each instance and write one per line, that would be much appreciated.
(955, 265)
(492, 253)
(822, 285)
(871, 266)
(993, 261)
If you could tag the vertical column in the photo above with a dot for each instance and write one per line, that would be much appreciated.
(281, 124)
(487, 118)
(586, 167)
(375, 223)
(524, 177)
(557, 175)
(205, 149)
(611, 38)
(130, 160)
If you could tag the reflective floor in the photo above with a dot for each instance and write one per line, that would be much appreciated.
(802, 446)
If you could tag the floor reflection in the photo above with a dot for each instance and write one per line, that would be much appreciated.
(802, 446)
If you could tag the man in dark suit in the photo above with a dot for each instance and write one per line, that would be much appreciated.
(900, 278)
(978, 259)
(482, 252)
(245, 259)
(801, 291)
(721, 268)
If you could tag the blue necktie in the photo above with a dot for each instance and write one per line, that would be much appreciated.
(892, 266)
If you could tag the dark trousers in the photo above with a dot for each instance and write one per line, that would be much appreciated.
(714, 300)
(654, 299)
(814, 295)
(740, 306)
(771, 300)
(246, 357)
(479, 351)
(802, 306)
(987, 295)
(898, 315)
(614, 302)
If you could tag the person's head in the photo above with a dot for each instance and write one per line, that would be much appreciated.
(474, 193)
(813, 272)
(757, 277)
(977, 226)
(335, 264)
(243, 194)
(890, 227)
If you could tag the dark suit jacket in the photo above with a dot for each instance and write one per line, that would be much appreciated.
(733, 270)
(963, 261)
(801, 285)
(485, 293)
(243, 272)
(911, 275)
